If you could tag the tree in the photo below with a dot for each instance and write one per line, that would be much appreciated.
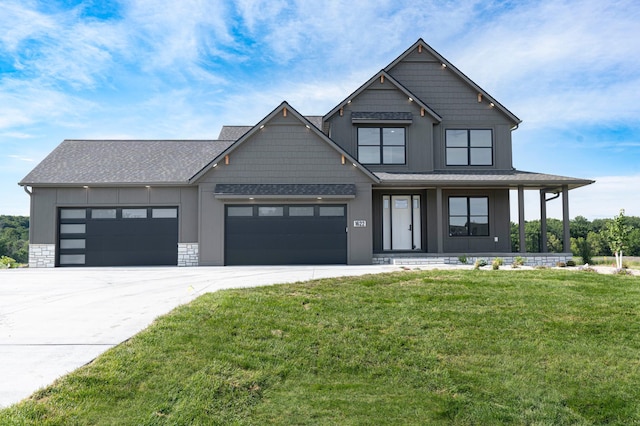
(617, 234)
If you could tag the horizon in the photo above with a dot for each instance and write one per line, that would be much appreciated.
(166, 70)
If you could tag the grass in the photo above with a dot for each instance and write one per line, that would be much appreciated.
(421, 347)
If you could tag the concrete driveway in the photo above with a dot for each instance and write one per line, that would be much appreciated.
(53, 321)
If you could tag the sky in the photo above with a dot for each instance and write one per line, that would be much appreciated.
(166, 69)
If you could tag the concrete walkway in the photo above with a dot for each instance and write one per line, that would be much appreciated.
(53, 321)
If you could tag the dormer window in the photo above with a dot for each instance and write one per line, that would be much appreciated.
(469, 147)
(381, 145)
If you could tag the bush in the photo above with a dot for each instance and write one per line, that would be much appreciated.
(463, 259)
(497, 263)
(561, 264)
(517, 262)
(8, 262)
(479, 263)
(571, 263)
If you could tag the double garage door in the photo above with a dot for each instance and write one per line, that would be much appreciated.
(285, 234)
(117, 236)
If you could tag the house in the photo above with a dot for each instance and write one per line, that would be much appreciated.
(417, 162)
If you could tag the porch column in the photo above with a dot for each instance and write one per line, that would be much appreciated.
(566, 241)
(439, 220)
(523, 242)
(543, 220)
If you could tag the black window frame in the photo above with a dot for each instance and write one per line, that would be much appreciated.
(468, 216)
(381, 145)
(469, 148)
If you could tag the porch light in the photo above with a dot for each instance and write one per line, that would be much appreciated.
(491, 104)
(354, 165)
(307, 126)
(410, 99)
(262, 127)
(215, 165)
(444, 65)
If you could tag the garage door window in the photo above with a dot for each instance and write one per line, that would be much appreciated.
(72, 259)
(73, 228)
(73, 214)
(301, 211)
(73, 243)
(103, 213)
(270, 211)
(332, 211)
(239, 211)
(134, 213)
(164, 213)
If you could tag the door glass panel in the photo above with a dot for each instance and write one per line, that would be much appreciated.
(73, 228)
(270, 211)
(73, 214)
(332, 211)
(164, 213)
(72, 259)
(239, 211)
(72, 244)
(386, 223)
(134, 213)
(301, 211)
(103, 213)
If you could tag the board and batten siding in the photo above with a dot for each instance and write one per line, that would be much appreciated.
(457, 103)
(284, 152)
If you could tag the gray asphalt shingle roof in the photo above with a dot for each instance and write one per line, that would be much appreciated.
(124, 161)
(233, 133)
(511, 178)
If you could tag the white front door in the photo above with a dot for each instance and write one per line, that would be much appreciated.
(401, 222)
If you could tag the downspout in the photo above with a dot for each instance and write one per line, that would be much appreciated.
(26, 189)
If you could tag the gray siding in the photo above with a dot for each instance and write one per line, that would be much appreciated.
(387, 98)
(456, 102)
(283, 152)
(46, 201)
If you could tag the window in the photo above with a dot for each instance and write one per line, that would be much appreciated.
(164, 213)
(332, 211)
(103, 214)
(239, 211)
(468, 216)
(469, 147)
(381, 145)
(270, 211)
(134, 213)
(301, 211)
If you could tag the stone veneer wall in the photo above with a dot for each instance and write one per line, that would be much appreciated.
(42, 255)
(537, 259)
(188, 254)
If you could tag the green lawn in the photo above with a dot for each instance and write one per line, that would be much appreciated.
(422, 347)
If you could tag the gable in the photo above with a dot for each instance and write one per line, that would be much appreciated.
(452, 94)
(285, 148)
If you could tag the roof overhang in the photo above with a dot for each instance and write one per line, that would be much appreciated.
(509, 179)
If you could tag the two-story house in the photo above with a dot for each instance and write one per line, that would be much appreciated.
(417, 162)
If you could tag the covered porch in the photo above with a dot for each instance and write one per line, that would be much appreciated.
(441, 244)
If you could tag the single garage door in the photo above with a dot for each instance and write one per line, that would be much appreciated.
(114, 236)
(285, 234)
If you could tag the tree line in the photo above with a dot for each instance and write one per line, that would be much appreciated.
(14, 237)
(588, 238)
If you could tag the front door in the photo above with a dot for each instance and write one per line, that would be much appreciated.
(401, 222)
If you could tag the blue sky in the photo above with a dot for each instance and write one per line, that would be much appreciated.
(166, 69)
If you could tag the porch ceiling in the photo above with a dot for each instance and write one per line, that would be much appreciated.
(483, 178)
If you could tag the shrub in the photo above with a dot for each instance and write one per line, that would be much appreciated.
(517, 262)
(463, 259)
(561, 264)
(497, 263)
(8, 262)
(571, 263)
(479, 263)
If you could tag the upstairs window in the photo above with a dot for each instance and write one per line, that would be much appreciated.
(468, 216)
(469, 147)
(381, 145)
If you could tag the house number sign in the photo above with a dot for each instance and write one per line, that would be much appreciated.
(359, 223)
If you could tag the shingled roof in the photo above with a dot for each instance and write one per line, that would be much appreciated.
(88, 162)
(495, 178)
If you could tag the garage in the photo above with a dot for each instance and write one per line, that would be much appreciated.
(117, 236)
(278, 234)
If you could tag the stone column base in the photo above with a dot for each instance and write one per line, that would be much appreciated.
(188, 254)
(42, 255)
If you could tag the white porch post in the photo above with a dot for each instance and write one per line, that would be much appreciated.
(566, 241)
(522, 238)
